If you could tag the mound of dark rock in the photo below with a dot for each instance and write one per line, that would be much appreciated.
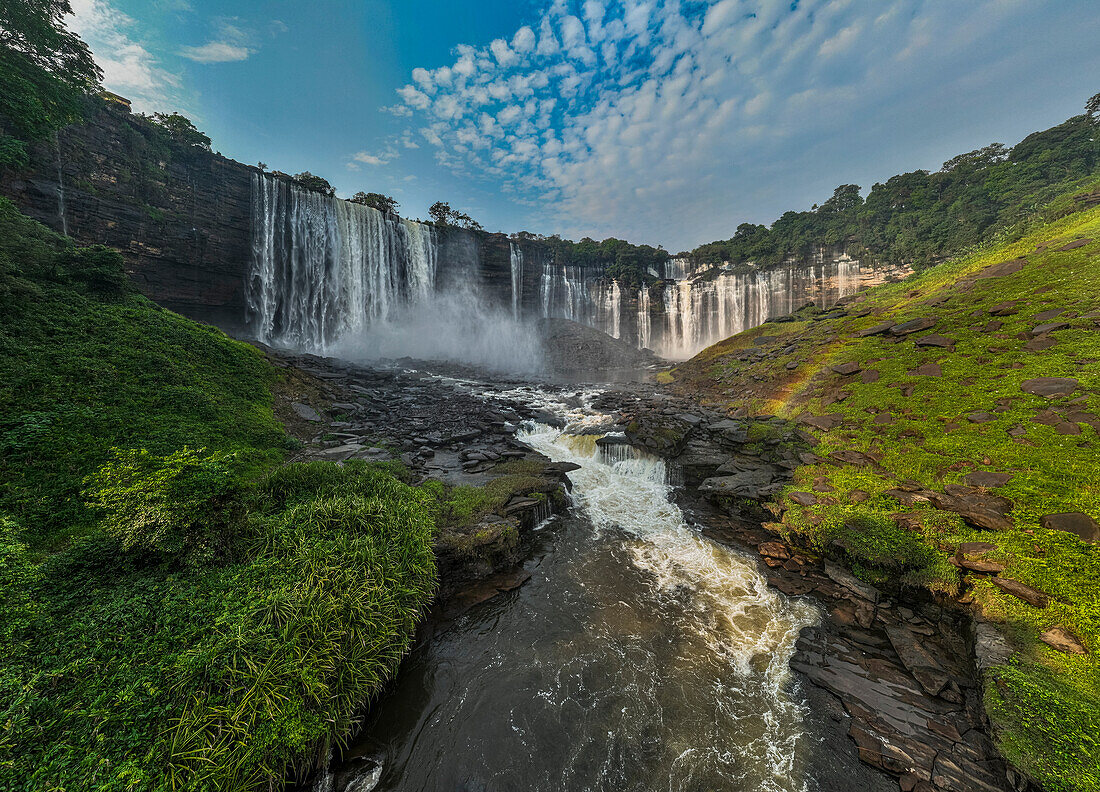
(579, 352)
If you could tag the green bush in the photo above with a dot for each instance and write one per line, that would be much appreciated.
(185, 503)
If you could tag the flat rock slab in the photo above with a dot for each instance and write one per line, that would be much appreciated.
(305, 412)
(846, 369)
(1002, 269)
(914, 326)
(935, 340)
(987, 478)
(927, 370)
(874, 329)
(1040, 344)
(1049, 327)
(1046, 316)
(1031, 596)
(1077, 243)
(1050, 386)
(1006, 308)
(1058, 637)
(822, 422)
(1073, 522)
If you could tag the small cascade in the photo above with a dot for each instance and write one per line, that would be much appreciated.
(645, 325)
(61, 213)
(516, 260)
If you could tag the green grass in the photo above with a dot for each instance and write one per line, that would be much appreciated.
(178, 609)
(930, 440)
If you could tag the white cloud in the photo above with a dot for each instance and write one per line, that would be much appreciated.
(216, 52)
(671, 120)
(367, 158)
(129, 68)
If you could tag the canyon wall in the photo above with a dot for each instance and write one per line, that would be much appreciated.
(258, 255)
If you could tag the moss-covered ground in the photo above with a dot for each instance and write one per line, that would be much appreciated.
(178, 608)
(930, 427)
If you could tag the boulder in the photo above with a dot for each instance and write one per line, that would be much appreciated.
(1073, 522)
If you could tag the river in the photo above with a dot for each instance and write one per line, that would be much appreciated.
(639, 656)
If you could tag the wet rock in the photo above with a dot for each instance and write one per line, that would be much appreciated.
(1077, 523)
(917, 659)
(305, 412)
(1049, 386)
(913, 326)
(990, 647)
(752, 484)
(843, 577)
(1021, 591)
(1058, 637)
(774, 550)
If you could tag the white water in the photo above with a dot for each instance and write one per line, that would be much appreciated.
(515, 256)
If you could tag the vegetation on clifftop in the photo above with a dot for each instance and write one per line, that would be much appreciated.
(904, 417)
(178, 609)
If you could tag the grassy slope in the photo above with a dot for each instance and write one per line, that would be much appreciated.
(131, 669)
(1045, 705)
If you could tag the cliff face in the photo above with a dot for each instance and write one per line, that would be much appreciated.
(180, 216)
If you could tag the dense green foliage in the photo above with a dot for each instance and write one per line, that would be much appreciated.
(178, 609)
(383, 203)
(44, 69)
(627, 263)
(317, 183)
(442, 214)
(919, 218)
(182, 130)
(918, 425)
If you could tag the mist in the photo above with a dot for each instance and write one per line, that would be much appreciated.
(456, 327)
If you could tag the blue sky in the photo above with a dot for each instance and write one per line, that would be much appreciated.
(660, 121)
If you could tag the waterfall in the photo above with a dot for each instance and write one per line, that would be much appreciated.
(60, 187)
(324, 268)
(515, 256)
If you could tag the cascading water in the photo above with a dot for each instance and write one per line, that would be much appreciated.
(61, 213)
(515, 257)
(640, 656)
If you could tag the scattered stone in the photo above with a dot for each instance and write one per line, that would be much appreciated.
(1017, 589)
(1049, 386)
(305, 412)
(858, 496)
(823, 422)
(774, 550)
(883, 419)
(869, 376)
(1002, 269)
(979, 417)
(1077, 523)
(913, 326)
(1006, 308)
(846, 369)
(1046, 316)
(927, 370)
(802, 498)
(849, 457)
(1040, 344)
(1050, 327)
(792, 365)
(935, 340)
(875, 330)
(1058, 637)
(1077, 243)
(979, 509)
(987, 478)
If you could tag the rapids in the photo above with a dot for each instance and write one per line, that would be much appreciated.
(640, 656)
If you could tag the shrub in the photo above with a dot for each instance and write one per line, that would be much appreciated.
(185, 503)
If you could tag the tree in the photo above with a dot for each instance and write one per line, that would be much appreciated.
(1092, 107)
(182, 130)
(45, 70)
(315, 183)
(443, 215)
(383, 203)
